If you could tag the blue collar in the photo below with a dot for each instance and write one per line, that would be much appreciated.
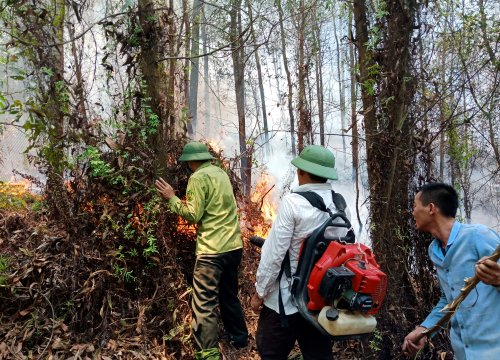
(451, 239)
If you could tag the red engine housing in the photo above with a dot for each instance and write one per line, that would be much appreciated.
(368, 278)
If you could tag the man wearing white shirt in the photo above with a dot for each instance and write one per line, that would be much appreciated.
(295, 221)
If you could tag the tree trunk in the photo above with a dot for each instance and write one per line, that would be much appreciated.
(187, 63)
(204, 38)
(79, 88)
(195, 61)
(288, 78)
(174, 128)
(386, 96)
(238, 56)
(261, 82)
(340, 74)
(442, 114)
(156, 76)
(304, 119)
(55, 112)
(319, 91)
(354, 120)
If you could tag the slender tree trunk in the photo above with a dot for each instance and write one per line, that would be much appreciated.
(52, 103)
(79, 88)
(303, 113)
(354, 119)
(195, 61)
(288, 78)
(173, 127)
(55, 112)
(260, 80)
(442, 115)
(238, 56)
(340, 74)
(319, 87)
(277, 71)
(187, 63)
(208, 125)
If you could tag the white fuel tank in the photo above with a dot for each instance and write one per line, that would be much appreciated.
(348, 323)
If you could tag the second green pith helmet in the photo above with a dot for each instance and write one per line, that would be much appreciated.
(195, 151)
(317, 160)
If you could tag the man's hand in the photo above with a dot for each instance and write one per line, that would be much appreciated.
(414, 341)
(488, 271)
(256, 303)
(164, 188)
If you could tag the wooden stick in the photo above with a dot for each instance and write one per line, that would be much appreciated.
(451, 308)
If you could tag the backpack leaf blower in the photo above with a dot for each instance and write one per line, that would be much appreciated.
(338, 286)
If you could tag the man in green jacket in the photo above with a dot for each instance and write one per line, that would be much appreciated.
(210, 204)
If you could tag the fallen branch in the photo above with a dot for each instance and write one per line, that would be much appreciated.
(263, 196)
(451, 308)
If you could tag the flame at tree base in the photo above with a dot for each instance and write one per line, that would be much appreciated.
(262, 212)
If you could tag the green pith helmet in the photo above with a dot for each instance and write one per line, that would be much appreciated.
(317, 160)
(195, 151)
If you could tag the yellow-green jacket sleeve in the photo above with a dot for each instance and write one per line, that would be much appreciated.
(193, 208)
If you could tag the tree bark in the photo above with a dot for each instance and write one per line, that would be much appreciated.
(260, 80)
(195, 61)
(386, 94)
(302, 68)
(354, 118)
(319, 88)
(206, 75)
(157, 76)
(238, 56)
(340, 74)
(288, 78)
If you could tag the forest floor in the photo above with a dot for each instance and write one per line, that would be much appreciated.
(61, 299)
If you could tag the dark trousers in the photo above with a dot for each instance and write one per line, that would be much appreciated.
(274, 342)
(215, 282)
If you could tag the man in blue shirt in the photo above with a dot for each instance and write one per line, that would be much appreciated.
(458, 252)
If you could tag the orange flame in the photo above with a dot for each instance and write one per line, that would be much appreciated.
(23, 185)
(215, 146)
(17, 194)
(263, 197)
(19, 188)
(135, 220)
(184, 227)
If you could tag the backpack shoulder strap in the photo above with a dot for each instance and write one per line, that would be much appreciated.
(339, 201)
(317, 201)
(314, 199)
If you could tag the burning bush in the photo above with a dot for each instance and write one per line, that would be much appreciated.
(118, 279)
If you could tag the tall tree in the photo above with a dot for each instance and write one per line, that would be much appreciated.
(195, 61)
(304, 126)
(386, 89)
(288, 76)
(319, 84)
(340, 74)
(259, 78)
(159, 112)
(354, 116)
(238, 56)
(206, 91)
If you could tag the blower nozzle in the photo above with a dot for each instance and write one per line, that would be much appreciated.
(257, 240)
